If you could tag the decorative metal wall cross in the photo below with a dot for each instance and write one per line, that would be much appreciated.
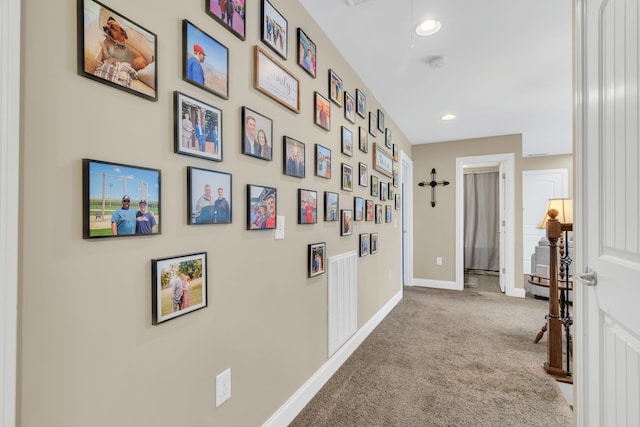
(433, 184)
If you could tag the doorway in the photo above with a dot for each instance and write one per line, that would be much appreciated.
(506, 168)
(406, 186)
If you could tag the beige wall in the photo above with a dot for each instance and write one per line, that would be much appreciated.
(88, 353)
(434, 228)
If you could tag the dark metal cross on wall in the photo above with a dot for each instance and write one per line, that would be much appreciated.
(433, 184)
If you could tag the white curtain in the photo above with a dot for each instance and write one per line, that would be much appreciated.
(481, 221)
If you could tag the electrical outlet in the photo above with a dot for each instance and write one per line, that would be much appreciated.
(223, 387)
(439, 260)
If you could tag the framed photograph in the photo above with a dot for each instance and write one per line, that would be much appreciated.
(322, 112)
(390, 193)
(208, 196)
(379, 214)
(387, 213)
(373, 243)
(364, 244)
(380, 120)
(364, 139)
(330, 206)
(293, 162)
(205, 61)
(387, 137)
(307, 206)
(261, 207)
(229, 13)
(317, 258)
(119, 200)
(275, 29)
(361, 103)
(275, 81)
(257, 131)
(323, 161)
(368, 210)
(198, 128)
(336, 90)
(383, 191)
(358, 209)
(179, 286)
(306, 53)
(374, 186)
(364, 175)
(382, 162)
(347, 142)
(116, 51)
(347, 177)
(396, 179)
(373, 127)
(398, 203)
(395, 153)
(349, 107)
(346, 222)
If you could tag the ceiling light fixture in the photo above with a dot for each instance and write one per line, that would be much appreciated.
(428, 27)
(448, 117)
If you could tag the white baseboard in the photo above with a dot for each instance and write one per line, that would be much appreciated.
(292, 407)
(516, 292)
(438, 284)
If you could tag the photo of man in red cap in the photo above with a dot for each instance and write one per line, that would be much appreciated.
(194, 69)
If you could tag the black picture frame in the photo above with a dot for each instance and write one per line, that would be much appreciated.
(293, 161)
(396, 179)
(346, 222)
(373, 243)
(395, 153)
(331, 203)
(373, 124)
(347, 177)
(255, 126)
(364, 244)
(374, 186)
(323, 161)
(363, 139)
(379, 214)
(387, 137)
(349, 107)
(336, 88)
(383, 191)
(209, 196)
(113, 195)
(172, 294)
(317, 258)
(368, 210)
(322, 111)
(361, 103)
(380, 120)
(214, 75)
(116, 51)
(363, 174)
(388, 212)
(397, 201)
(262, 207)
(346, 139)
(274, 29)
(307, 53)
(235, 22)
(307, 206)
(198, 128)
(358, 209)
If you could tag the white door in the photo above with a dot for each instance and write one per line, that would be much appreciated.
(608, 218)
(538, 186)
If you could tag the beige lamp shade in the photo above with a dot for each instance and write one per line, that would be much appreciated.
(564, 208)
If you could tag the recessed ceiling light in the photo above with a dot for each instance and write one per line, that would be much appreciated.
(448, 117)
(428, 27)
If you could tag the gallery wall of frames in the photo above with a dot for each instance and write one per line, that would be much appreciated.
(130, 64)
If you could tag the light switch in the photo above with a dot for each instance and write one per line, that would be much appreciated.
(280, 227)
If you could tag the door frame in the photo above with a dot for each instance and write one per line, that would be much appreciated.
(9, 205)
(406, 185)
(506, 165)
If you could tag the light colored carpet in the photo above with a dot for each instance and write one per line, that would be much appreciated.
(446, 358)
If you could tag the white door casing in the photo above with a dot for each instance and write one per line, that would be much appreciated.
(607, 220)
(538, 186)
(406, 182)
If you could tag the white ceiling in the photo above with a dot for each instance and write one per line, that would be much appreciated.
(508, 66)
